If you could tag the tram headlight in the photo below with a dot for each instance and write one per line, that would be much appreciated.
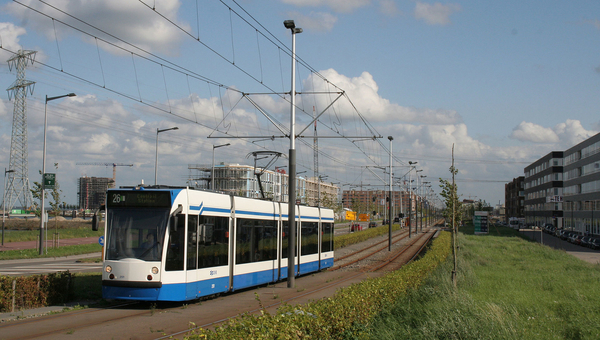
(108, 269)
(154, 270)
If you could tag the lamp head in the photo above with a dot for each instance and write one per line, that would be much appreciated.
(289, 24)
(411, 163)
(390, 138)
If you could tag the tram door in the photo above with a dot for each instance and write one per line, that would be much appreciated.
(192, 257)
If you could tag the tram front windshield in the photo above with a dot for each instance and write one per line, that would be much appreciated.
(136, 233)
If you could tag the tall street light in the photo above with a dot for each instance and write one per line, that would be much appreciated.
(44, 166)
(411, 167)
(390, 200)
(4, 202)
(156, 158)
(212, 180)
(289, 24)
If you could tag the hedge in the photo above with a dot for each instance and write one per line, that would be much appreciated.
(35, 291)
(347, 314)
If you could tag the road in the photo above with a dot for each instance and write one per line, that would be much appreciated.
(49, 265)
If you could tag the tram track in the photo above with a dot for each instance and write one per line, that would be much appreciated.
(174, 320)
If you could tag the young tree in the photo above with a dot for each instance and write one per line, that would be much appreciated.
(453, 209)
(56, 202)
(36, 191)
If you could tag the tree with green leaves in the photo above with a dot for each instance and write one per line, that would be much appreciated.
(55, 203)
(36, 191)
(453, 211)
(449, 193)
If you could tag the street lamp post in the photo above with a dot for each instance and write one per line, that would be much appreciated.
(212, 180)
(410, 198)
(592, 224)
(391, 199)
(289, 24)
(4, 202)
(44, 166)
(156, 158)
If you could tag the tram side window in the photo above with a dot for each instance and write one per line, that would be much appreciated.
(192, 242)
(213, 241)
(327, 240)
(176, 244)
(256, 240)
(285, 240)
(310, 238)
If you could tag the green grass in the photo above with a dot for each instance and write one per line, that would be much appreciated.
(64, 233)
(52, 252)
(508, 288)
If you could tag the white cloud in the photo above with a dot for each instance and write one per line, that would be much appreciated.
(344, 6)
(3, 109)
(9, 33)
(436, 14)
(563, 135)
(124, 19)
(315, 21)
(363, 91)
(595, 23)
(572, 132)
(388, 8)
(530, 132)
(9, 38)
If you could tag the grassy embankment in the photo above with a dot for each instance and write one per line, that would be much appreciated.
(18, 230)
(508, 288)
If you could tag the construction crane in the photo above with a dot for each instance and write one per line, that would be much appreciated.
(114, 165)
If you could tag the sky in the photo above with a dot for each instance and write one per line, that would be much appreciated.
(503, 83)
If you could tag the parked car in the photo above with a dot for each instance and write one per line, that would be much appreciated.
(595, 244)
(565, 234)
(575, 238)
(372, 224)
(355, 227)
(585, 241)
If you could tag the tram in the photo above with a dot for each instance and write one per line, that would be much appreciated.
(178, 243)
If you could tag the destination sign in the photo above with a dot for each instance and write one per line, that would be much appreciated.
(138, 198)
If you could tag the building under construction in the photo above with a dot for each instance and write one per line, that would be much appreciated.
(242, 180)
(91, 191)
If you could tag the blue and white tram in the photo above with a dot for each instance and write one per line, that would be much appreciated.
(176, 244)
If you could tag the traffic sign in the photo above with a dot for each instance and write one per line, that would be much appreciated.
(101, 240)
(49, 181)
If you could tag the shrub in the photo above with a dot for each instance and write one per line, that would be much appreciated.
(347, 314)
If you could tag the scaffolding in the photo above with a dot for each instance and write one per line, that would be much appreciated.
(91, 191)
(240, 180)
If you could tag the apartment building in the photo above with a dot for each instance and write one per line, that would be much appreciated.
(544, 190)
(581, 195)
(514, 198)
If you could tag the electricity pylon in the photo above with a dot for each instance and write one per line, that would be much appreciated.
(18, 188)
